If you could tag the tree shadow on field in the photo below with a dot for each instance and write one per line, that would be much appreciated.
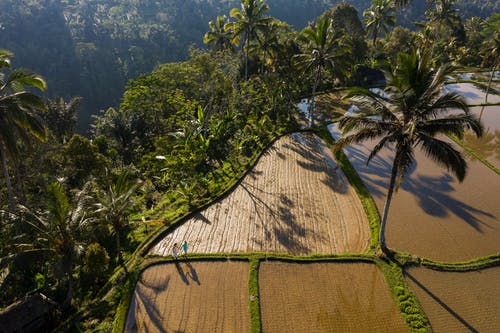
(142, 303)
(311, 149)
(441, 302)
(433, 193)
(200, 217)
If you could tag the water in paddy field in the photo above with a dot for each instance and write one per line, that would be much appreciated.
(489, 144)
(433, 215)
(472, 94)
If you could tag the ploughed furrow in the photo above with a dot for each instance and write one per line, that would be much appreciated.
(326, 297)
(295, 200)
(191, 297)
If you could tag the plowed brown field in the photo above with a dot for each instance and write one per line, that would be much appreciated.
(191, 297)
(326, 297)
(459, 302)
(295, 201)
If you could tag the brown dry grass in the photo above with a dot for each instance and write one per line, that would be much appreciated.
(191, 297)
(326, 297)
(295, 201)
(459, 302)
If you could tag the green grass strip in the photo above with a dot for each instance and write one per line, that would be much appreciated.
(408, 304)
(472, 265)
(126, 291)
(253, 291)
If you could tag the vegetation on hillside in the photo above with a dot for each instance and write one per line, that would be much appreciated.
(75, 210)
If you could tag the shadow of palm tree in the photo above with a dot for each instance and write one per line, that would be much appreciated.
(441, 302)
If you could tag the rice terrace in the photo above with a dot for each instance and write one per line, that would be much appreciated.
(293, 247)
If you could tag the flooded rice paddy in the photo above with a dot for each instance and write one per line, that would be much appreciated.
(458, 302)
(433, 215)
(326, 297)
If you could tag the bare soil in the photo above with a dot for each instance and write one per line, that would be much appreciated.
(326, 297)
(458, 302)
(296, 200)
(191, 297)
(433, 215)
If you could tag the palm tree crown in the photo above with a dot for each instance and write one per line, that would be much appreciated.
(379, 17)
(18, 111)
(250, 19)
(218, 36)
(411, 115)
(323, 51)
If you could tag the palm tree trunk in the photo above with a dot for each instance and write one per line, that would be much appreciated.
(118, 249)
(69, 294)
(313, 100)
(488, 90)
(6, 176)
(383, 223)
(246, 56)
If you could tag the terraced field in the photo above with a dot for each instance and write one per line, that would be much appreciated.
(294, 201)
(191, 297)
(326, 297)
(458, 302)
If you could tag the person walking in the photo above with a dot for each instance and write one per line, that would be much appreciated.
(175, 251)
(185, 248)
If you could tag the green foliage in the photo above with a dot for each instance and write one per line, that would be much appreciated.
(253, 289)
(96, 260)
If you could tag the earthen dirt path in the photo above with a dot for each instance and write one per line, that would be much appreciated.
(296, 200)
(326, 297)
(191, 297)
(458, 302)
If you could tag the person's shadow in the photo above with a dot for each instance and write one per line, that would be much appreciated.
(192, 273)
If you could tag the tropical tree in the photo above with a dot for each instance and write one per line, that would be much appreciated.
(18, 112)
(61, 117)
(59, 231)
(218, 36)
(444, 16)
(250, 20)
(410, 114)
(492, 52)
(323, 51)
(113, 205)
(379, 17)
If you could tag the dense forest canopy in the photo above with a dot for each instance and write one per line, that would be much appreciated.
(91, 48)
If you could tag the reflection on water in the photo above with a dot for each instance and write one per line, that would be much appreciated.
(488, 145)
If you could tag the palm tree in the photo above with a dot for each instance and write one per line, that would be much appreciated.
(412, 114)
(218, 36)
(323, 51)
(379, 17)
(18, 112)
(59, 231)
(493, 53)
(250, 20)
(443, 15)
(113, 205)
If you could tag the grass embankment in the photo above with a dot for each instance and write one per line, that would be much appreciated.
(474, 153)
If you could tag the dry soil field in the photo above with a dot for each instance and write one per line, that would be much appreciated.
(191, 297)
(326, 297)
(433, 215)
(295, 201)
(459, 302)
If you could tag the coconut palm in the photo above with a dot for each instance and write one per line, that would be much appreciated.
(218, 37)
(18, 112)
(113, 205)
(444, 15)
(323, 51)
(493, 53)
(60, 232)
(250, 20)
(411, 115)
(379, 17)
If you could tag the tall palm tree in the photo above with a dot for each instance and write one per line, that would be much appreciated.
(493, 53)
(113, 205)
(218, 36)
(250, 19)
(412, 114)
(379, 17)
(60, 232)
(18, 112)
(323, 51)
(444, 15)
